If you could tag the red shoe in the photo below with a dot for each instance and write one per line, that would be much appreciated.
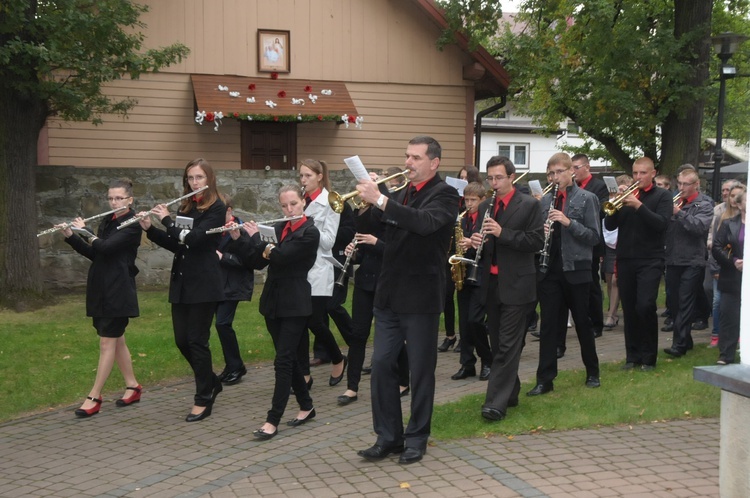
(83, 413)
(134, 398)
(714, 341)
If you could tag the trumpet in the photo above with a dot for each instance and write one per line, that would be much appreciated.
(136, 219)
(337, 200)
(234, 226)
(611, 207)
(86, 220)
(678, 201)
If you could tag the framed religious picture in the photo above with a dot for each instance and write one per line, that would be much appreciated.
(273, 51)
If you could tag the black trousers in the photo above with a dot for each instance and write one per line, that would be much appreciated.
(225, 312)
(596, 299)
(556, 297)
(506, 326)
(286, 334)
(685, 284)
(449, 308)
(419, 331)
(340, 317)
(729, 328)
(472, 322)
(318, 325)
(192, 328)
(638, 282)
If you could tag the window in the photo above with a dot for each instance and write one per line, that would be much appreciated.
(518, 153)
(573, 128)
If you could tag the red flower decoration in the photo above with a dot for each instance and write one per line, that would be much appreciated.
(275, 118)
(308, 89)
(274, 76)
(281, 94)
(352, 119)
(236, 114)
(251, 86)
(320, 117)
(209, 116)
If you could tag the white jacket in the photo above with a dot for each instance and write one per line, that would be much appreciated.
(326, 221)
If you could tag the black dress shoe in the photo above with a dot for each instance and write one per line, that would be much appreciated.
(541, 389)
(592, 381)
(195, 417)
(316, 362)
(223, 375)
(536, 334)
(492, 414)
(597, 334)
(669, 322)
(628, 366)
(296, 422)
(345, 400)
(335, 380)
(699, 325)
(464, 372)
(405, 392)
(263, 435)
(378, 452)
(233, 377)
(367, 370)
(560, 352)
(411, 455)
(485, 373)
(447, 344)
(674, 352)
(667, 328)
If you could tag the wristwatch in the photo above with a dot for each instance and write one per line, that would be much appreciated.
(381, 201)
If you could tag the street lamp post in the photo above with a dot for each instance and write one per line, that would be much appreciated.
(725, 45)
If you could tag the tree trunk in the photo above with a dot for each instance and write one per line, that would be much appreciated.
(681, 133)
(22, 122)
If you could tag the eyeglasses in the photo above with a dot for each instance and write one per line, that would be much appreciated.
(197, 178)
(685, 184)
(579, 166)
(497, 178)
(117, 199)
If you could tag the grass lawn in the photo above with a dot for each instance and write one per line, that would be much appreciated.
(626, 397)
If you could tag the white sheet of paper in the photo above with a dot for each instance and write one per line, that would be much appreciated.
(457, 184)
(267, 234)
(535, 187)
(335, 261)
(611, 183)
(358, 169)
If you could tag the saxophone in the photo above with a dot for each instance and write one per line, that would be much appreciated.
(458, 271)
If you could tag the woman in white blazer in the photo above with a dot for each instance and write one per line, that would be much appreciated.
(313, 176)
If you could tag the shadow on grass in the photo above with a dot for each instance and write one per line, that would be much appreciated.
(625, 397)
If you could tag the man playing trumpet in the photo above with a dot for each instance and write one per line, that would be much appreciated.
(687, 254)
(641, 218)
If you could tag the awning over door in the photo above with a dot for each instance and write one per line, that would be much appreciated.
(267, 99)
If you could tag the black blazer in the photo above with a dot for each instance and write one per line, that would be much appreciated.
(642, 232)
(600, 190)
(522, 236)
(110, 288)
(417, 237)
(728, 237)
(369, 257)
(238, 279)
(286, 292)
(196, 276)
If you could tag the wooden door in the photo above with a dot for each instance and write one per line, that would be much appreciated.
(269, 145)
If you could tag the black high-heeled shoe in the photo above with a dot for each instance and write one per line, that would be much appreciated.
(447, 344)
(195, 417)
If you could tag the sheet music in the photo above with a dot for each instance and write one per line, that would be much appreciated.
(611, 183)
(267, 234)
(535, 187)
(457, 184)
(358, 169)
(335, 262)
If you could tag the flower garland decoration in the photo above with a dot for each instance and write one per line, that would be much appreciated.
(215, 117)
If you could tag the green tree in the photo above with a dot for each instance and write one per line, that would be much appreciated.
(55, 56)
(477, 19)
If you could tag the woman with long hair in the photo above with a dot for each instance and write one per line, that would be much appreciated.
(286, 302)
(111, 298)
(195, 286)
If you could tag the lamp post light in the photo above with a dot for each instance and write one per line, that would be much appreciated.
(725, 45)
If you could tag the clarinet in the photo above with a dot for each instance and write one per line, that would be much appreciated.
(342, 277)
(473, 274)
(544, 255)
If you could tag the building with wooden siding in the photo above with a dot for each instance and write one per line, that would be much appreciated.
(380, 56)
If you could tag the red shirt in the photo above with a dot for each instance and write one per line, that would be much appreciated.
(293, 227)
(314, 195)
(504, 201)
(585, 182)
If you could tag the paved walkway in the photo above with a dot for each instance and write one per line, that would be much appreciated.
(148, 450)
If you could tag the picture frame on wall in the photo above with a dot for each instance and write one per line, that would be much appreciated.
(273, 51)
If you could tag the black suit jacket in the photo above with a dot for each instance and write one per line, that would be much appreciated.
(600, 190)
(196, 276)
(417, 239)
(522, 236)
(286, 292)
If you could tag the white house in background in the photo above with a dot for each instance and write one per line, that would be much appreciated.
(516, 137)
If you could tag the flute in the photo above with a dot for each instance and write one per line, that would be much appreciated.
(86, 220)
(227, 228)
(136, 219)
